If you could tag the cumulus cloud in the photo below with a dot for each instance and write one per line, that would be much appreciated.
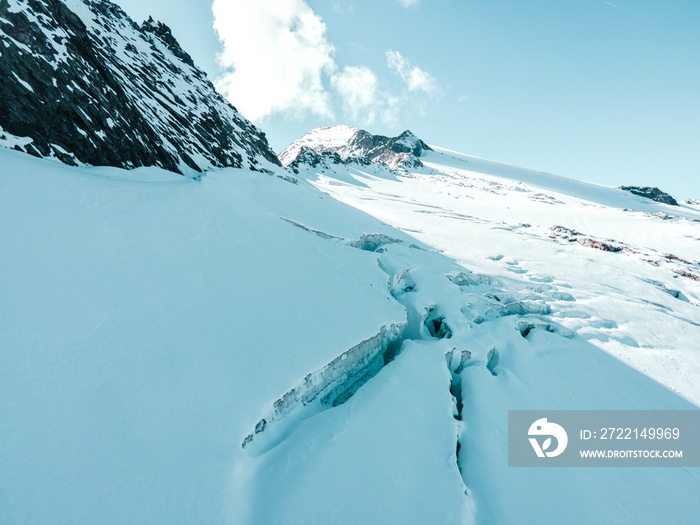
(278, 60)
(276, 54)
(363, 97)
(359, 91)
(414, 77)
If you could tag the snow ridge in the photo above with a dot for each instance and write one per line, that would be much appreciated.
(323, 140)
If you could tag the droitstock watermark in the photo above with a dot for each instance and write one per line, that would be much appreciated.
(604, 438)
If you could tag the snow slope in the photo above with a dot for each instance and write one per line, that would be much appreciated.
(245, 349)
(147, 321)
(475, 211)
(612, 329)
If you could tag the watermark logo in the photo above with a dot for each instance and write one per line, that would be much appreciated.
(603, 438)
(542, 428)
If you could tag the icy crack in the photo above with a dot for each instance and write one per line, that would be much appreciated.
(435, 323)
(492, 360)
(321, 234)
(456, 361)
(373, 242)
(526, 327)
(328, 387)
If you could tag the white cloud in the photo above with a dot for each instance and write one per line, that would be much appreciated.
(278, 60)
(277, 54)
(408, 3)
(414, 77)
(358, 88)
(365, 100)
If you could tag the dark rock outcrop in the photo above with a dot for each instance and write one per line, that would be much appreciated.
(599, 245)
(372, 147)
(311, 158)
(82, 83)
(567, 234)
(652, 193)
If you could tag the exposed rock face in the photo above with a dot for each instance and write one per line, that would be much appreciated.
(348, 144)
(649, 192)
(599, 245)
(82, 83)
(570, 235)
(310, 157)
(373, 147)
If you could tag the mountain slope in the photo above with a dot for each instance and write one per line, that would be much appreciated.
(81, 82)
(151, 320)
(173, 358)
(473, 209)
(342, 347)
(569, 292)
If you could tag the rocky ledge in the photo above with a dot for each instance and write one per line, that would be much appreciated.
(652, 193)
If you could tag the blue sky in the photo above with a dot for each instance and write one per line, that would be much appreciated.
(607, 92)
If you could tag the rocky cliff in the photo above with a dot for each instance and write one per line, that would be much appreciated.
(83, 83)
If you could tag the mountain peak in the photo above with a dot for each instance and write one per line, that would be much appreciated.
(352, 143)
(322, 140)
(163, 32)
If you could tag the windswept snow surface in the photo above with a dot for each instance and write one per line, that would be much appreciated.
(502, 220)
(246, 349)
(148, 321)
(571, 326)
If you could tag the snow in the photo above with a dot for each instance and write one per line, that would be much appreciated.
(24, 84)
(9, 140)
(149, 321)
(329, 138)
(462, 164)
(471, 215)
(154, 323)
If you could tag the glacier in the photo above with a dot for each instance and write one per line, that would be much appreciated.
(334, 335)
(150, 323)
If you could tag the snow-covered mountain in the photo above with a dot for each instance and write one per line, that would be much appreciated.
(82, 83)
(292, 359)
(338, 344)
(346, 144)
(471, 208)
(571, 295)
